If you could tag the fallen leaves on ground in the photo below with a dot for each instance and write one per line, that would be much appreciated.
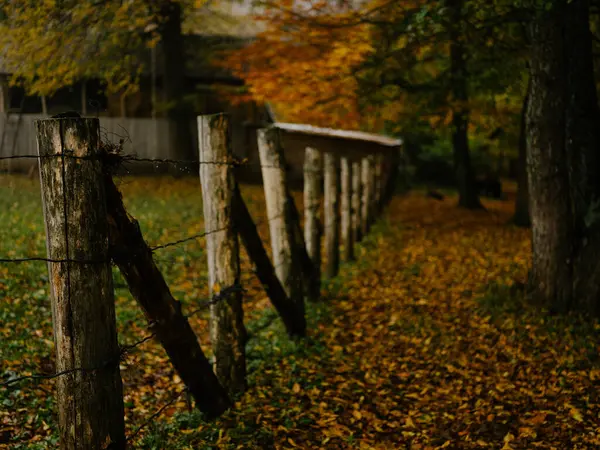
(425, 342)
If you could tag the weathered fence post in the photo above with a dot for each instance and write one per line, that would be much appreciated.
(90, 395)
(313, 179)
(227, 331)
(295, 324)
(367, 188)
(285, 257)
(332, 214)
(346, 206)
(356, 196)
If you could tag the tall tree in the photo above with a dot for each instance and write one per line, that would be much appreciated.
(170, 22)
(465, 179)
(380, 65)
(562, 118)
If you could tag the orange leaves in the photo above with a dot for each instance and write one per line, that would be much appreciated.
(306, 71)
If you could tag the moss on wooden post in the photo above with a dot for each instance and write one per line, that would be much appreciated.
(90, 401)
(227, 330)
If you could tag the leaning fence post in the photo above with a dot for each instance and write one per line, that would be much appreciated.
(366, 179)
(90, 396)
(227, 331)
(285, 258)
(313, 179)
(295, 324)
(356, 196)
(346, 206)
(332, 214)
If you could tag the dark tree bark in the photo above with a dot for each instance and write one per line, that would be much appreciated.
(521, 217)
(550, 204)
(465, 178)
(582, 146)
(181, 140)
(562, 121)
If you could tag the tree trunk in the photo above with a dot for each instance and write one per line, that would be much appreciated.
(550, 203)
(582, 146)
(521, 217)
(465, 178)
(227, 331)
(174, 83)
(562, 122)
(90, 402)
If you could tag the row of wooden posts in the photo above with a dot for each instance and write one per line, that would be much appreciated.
(87, 227)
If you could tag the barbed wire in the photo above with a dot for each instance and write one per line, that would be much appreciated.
(152, 248)
(124, 350)
(133, 158)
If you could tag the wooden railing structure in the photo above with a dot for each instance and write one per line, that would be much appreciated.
(88, 229)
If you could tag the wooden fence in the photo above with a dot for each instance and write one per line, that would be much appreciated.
(76, 171)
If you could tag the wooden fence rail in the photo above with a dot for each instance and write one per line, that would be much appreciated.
(76, 176)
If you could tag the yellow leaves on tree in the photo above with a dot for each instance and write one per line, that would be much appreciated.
(47, 45)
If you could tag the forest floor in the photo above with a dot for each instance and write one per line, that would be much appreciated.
(425, 342)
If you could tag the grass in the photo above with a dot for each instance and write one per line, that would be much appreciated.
(168, 210)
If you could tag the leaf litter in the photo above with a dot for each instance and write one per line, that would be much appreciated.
(426, 342)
